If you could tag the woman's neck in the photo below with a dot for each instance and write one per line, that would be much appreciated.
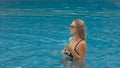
(77, 37)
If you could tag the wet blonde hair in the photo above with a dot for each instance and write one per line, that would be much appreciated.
(81, 28)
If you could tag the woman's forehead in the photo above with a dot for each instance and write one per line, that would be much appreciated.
(73, 23)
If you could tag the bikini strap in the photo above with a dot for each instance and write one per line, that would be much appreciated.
(76, 47)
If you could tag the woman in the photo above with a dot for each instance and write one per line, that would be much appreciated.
(76, 50)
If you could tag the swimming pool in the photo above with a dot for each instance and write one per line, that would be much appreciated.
(33, 33)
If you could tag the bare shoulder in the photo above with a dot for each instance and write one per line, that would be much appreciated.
(83, 43)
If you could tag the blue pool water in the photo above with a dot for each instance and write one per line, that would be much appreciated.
(32, 34)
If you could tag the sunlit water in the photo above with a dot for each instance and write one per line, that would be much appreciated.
(32, 34)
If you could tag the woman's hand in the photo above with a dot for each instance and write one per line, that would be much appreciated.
(65, 48)
(69, 48)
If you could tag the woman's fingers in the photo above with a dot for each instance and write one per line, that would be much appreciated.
(62, 51)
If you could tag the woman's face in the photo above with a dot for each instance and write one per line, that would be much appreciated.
(73, 28)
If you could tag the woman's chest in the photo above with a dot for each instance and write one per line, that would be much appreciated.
(73, 44)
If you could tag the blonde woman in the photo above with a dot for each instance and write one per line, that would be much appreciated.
(76, 50)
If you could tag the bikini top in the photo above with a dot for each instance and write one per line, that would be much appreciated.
(75, 49)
